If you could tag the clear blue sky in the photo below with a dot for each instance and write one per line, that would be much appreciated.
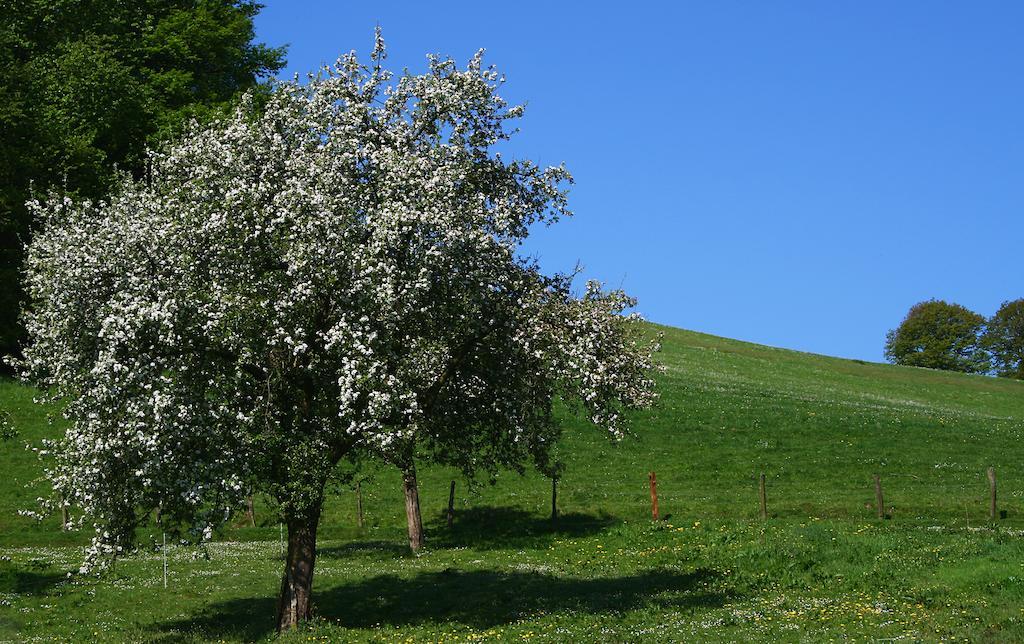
(790, 173)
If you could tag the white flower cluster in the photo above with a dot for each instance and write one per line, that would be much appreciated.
(325, 275)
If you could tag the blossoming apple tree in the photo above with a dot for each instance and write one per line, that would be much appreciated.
(333, 274)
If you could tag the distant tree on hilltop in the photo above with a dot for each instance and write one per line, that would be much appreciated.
(939, 335)
(1004, 339)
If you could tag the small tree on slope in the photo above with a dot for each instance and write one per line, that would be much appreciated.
(938, 335)
(322, 279)
(496, 412)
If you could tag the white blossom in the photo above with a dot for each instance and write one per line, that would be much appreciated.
(331, 275)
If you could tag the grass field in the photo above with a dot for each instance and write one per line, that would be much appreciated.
(822, 567)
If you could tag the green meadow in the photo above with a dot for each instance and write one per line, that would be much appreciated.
(823, 566)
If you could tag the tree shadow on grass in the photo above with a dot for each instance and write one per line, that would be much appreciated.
(502, 528)
(28, 582)
(479, 599)
(380, 548)
(485, 528)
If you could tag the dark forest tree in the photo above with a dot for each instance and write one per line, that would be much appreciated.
(938, 335)
(86, 85)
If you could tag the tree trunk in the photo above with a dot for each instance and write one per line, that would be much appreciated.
(412, 507)
(359, 504)
(451, 505)
(295, 603)
(554, 499)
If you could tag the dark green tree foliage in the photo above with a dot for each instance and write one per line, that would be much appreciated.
(939, 335)
(86, 85)
(1004, 340)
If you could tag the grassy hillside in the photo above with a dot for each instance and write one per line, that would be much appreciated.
(819, 428)
(823, 566)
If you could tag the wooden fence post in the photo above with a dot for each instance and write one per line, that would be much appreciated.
(654, 496)
(763, 497)
(359, 504)
(992, 493)
(554, 499)
(451, 505)
(879, 502)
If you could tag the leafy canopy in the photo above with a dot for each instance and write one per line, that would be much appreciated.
(86, 85)
(938, 335)
(1004, 339)
(321, 279)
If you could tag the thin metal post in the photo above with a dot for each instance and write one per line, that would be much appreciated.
(165, 560)
(654, 496)
(879, 501)
(763, 497)
(992, 513)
